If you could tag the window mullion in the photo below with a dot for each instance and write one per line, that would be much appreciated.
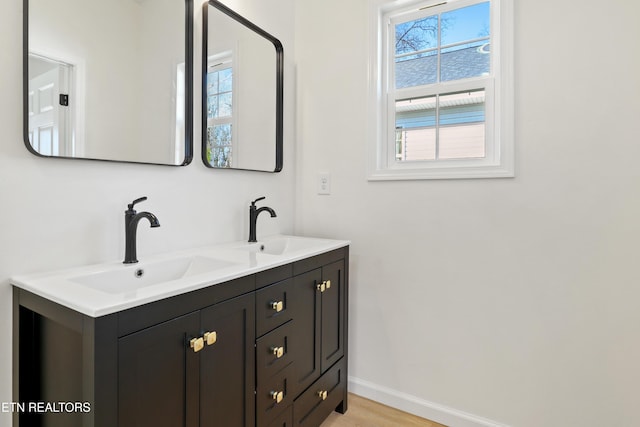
(437, 126)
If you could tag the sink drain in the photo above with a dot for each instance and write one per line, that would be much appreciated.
(139, 273)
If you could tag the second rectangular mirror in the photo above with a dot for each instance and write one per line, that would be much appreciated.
(242, 93)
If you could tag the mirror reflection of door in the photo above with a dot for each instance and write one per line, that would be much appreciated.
(50, 130)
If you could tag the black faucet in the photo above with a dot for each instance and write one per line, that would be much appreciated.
(253, 217)
(131, 219)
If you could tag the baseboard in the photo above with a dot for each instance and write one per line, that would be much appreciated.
(422, 408)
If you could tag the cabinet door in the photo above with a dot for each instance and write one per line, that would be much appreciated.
(333, 309)
(306, 329)
(156, 372)
(227, 366)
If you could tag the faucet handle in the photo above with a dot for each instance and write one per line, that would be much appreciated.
(141, 199)
(257, 200)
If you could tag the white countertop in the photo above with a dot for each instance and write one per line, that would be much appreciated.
(233, 260)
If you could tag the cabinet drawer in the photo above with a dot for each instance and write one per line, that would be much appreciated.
(285, 419)
(321, 398)
(273, 351)
(273, 306)
(273, 396)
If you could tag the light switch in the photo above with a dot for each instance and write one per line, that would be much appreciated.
(324, 183)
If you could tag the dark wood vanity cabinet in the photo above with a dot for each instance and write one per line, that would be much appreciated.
(265, 350)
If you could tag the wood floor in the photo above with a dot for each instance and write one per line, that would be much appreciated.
(367, 413)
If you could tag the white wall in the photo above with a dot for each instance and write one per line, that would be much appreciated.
(61, 213)
(512, 300)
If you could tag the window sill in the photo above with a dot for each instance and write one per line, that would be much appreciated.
(442, 173)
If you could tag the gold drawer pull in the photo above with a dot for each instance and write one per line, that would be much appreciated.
(322, 394)
(277, 306)
(210, 337)
(277, 351)
(196, 344)
(277, 396)
(328, 284)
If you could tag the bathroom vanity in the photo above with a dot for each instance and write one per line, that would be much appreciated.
(240, 335)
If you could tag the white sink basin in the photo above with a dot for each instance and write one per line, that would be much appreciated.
(131, 277)
(281, 245)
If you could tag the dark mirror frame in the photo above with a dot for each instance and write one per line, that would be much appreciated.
(188, 57)
(279, 50)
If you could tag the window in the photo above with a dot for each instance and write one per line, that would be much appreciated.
(442, 97)
(220, 113)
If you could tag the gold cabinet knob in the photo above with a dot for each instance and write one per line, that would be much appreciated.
(210, 337)
(277, 396)
(277, 306)
(322, 394)
(196, 344)
(324, 285)
(277, 351)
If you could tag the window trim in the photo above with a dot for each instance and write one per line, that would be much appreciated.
(499, 101)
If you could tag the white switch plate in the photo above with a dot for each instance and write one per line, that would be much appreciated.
(324, 183)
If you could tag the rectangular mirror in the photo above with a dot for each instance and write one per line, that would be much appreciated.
(109, 80)
(242, 93)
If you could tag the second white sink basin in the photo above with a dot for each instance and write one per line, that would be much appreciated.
(131, 277)
(280, 245)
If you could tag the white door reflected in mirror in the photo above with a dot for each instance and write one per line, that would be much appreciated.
(50, 128)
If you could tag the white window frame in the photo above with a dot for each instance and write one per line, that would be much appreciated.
(499, 100)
